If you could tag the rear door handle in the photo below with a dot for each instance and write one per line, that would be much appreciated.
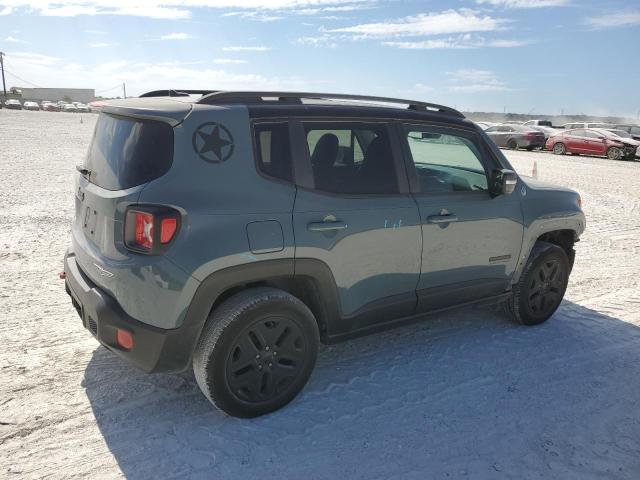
(326, 226)
(442, 218)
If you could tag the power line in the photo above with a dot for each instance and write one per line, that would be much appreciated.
(109, 89)
(22, 79)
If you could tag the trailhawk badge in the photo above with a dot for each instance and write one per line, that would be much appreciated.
(213, 142)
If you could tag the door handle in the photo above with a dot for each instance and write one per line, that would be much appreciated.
(326, 226)
(442, 218)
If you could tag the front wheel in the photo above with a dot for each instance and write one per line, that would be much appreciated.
(256, 352)
(512, 144)
(559, 148)
(614, 153)
(542, 285)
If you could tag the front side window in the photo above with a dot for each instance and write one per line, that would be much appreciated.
(273, 150)
(351, 158)
(445, 162)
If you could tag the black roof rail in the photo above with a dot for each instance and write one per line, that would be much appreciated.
(176, 93)
(297, 97)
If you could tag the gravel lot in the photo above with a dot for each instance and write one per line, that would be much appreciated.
(465, 394)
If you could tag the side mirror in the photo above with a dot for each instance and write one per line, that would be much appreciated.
(503, 182)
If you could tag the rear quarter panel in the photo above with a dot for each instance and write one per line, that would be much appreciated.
(219, 200)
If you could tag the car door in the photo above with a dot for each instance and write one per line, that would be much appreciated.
(576, 140)
(594, 143)
(354, 213)
(499, 134)
(471, 240)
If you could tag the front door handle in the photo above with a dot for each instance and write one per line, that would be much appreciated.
(326, 226)
(442, 218)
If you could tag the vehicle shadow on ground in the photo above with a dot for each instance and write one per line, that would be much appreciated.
(465, 393)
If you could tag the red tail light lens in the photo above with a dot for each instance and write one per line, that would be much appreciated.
(168, 227)
(149, 229)
(144, 230)
(124, 339)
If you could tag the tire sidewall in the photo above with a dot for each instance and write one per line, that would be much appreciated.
(216, 379)
(526, 315)
(561, 151)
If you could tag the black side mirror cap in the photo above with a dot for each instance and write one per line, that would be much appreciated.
(503, 182)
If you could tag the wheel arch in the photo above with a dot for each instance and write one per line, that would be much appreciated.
(311, 282)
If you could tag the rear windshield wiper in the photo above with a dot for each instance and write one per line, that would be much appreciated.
(83, 171)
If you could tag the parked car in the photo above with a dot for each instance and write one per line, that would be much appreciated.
(574, 125)
(485, 125)
(30, 106)
(512, 122)
(593, 141)
(634, 130)
(13, 104)
(547, 131)
(538, 123)
(628, 138)
(516, 136)
(51, 107)
(82, 108)
(69, 107)
(207, 248)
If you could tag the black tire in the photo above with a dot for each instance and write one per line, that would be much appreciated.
(542, 285)
(512, 144)
(256, 352)
(614, 153)
(559, 148)
(530, 148)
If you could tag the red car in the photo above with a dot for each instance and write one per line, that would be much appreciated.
(592, 141)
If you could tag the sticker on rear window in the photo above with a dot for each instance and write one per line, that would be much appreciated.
(213, 142)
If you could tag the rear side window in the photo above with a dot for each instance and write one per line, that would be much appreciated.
(126, 152)
(273, 150)
(351, 158)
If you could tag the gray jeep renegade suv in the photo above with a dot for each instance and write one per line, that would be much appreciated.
(234, 231)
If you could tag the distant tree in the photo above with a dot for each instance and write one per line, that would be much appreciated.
(67, 99)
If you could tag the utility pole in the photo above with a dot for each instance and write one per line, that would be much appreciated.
(4, 86)
(124, 91)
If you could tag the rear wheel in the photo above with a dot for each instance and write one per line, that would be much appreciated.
(542, 285)
(256, 352)
(614, 153)
(559, 148)
(512, 144)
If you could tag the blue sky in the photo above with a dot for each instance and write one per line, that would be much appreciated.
(543, 56)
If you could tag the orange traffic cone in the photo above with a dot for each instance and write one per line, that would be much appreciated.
(534, 174)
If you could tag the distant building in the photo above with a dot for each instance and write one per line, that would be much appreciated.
(84, 95)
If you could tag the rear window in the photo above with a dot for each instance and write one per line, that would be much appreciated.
(126, 152)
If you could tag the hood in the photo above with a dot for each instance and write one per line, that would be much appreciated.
(536, 184)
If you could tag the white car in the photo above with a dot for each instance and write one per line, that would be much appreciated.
(81, 107)
(30, 106)
(13, 104)
(69, 107)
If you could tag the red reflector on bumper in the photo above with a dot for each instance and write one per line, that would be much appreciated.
(62, 275)
(124, 339)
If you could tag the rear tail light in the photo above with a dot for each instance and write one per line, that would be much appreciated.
(150, 229)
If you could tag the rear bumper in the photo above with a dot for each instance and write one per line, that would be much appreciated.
(154, 349)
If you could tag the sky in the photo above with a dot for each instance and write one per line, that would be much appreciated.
(524, 56)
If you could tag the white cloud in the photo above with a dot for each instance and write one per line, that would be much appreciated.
(254, 15)
(618, 19)
(161, 9)
(246, 49)
(11, 39)
(462, 42)
(103, 45)
(321, 41)
(141, 76)
(468, 80)
(229, 61)
(447, 22)
(176, 36)
(524, 3)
